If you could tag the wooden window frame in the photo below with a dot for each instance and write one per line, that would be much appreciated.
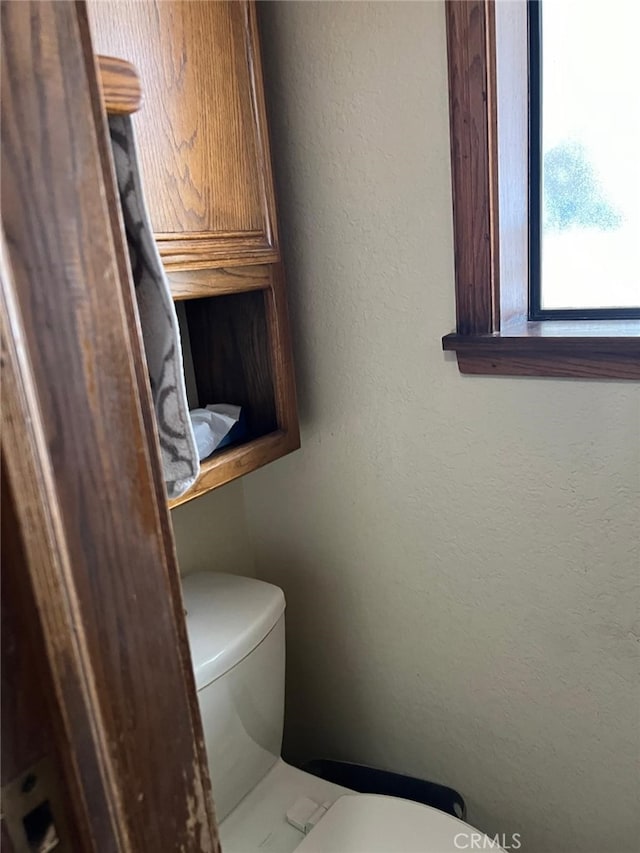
(493, 333)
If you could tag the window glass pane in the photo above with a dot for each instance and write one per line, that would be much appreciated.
(590, 155)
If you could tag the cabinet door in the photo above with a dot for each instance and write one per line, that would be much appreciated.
(92, 590)
(202, 131)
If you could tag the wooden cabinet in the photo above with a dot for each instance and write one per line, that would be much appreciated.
(202, 133)
(204, 152)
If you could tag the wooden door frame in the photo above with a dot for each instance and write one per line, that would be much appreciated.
(82, 462)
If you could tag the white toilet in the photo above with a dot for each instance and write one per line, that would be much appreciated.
(236, 632)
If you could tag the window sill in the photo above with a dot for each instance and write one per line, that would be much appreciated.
(579, 349)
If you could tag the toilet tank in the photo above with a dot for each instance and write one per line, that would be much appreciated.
(236, 635)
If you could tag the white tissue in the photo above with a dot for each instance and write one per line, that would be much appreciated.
(210, 425)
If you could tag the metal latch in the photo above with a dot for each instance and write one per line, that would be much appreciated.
(33, 813)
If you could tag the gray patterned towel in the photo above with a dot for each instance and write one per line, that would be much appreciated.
(157, 318)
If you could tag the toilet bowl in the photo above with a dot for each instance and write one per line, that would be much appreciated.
(263, 805)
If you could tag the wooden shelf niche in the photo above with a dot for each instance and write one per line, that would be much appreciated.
(232, 323)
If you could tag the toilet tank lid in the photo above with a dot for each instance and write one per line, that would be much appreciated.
(227, 617)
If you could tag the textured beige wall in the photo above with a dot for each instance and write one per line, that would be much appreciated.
(211, 533)
(460, 555)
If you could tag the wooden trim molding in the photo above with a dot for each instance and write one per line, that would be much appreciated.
(210, 250)
(493, 334)
(259, 109)
(30, 485)
(472, 126)
(82, 460)
(574, 354)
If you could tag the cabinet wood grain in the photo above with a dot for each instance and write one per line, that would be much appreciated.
(194, 284)
(202, 134)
